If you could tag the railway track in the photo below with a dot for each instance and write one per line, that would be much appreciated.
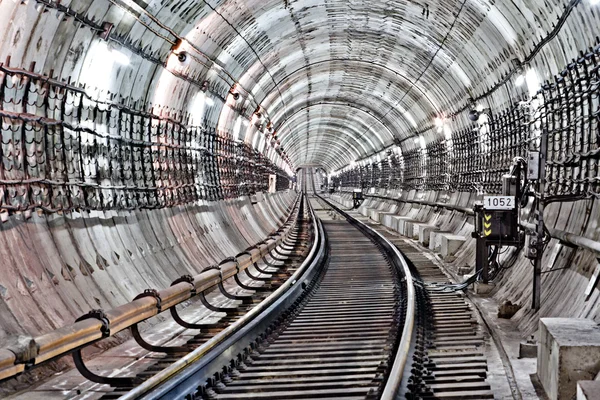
(337, 342)
(341, 331)
(350, 326)
(273, 271)
(449, 360)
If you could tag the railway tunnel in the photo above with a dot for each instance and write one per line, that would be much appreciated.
(288, 199)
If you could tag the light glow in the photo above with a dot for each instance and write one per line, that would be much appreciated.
(99, 66)
(520, 80)
(439, 122)
(533, 83)
(447, 132)
(198, 108)
(119, 57)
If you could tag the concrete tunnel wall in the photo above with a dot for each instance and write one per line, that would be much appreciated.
(329, 90)
(56, 268)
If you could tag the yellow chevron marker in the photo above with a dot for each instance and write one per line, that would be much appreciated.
(487, 232)
(487, 216)
(487, 225)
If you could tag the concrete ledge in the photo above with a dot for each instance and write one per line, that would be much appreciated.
(416, 229)
(386, 218)
(588, 390)
(405, 226)
(451, 243)
(435, 239)
(569, 351)
(425, 232)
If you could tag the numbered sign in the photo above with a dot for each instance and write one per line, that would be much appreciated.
(499, 202)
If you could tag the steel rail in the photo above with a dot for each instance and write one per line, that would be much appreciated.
(182, 377)
(396, 380)
(97, 325)
(225, 350)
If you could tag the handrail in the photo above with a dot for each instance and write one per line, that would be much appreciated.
(395, 377)
(567, 237)
(563, 236)
(98, 324)
(159, 385)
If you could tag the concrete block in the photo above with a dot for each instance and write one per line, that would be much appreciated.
(424, 233)
(588, 390)
(403, 226)
(386, 220)
(412, 230)
(483, 288)
(568, 351)
(451, 244)
(417, 226)
(435, 240)
(374, 215)
(395, 221)
(528, 349)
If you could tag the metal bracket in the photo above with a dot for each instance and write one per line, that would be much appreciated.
(175, 314)
(256, 278)
(151, 347)
(276, 258)
(83, 369)
(101, 316)
(206, 304)
(104, 380)
(151, 293)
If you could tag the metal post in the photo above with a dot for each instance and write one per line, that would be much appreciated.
(481, 248)
(482, 258)
(537, 263)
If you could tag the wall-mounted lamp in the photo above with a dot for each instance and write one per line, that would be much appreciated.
(475, 111)
(519, 71)
(520, 80)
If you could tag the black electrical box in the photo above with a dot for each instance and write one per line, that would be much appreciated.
(357, 195)
(500, 226)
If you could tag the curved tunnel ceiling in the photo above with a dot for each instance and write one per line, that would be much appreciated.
(337, 80)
